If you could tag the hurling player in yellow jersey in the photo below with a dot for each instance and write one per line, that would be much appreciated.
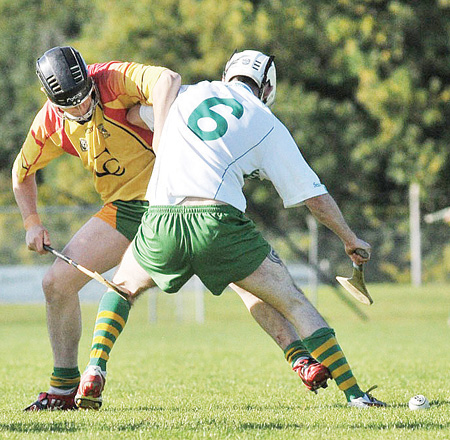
(86, 115)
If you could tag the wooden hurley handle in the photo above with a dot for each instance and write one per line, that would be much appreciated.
(94, 275)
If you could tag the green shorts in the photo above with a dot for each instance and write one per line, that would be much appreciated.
(217, 243)
(125, 216)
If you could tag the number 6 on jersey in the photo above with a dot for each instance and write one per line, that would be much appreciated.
(204, 110)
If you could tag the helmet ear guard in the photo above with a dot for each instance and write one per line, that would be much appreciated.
(256, 66)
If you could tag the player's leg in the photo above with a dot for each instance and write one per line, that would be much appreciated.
(313, 374)
(272, 283)
(111, 319)
(230, 248)
(156, 250)
(98, 246)
(271, 321)
(114, 310)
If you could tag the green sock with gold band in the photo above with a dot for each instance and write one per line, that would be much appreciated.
(65, 378)
(294, 351)
(324, 347)
(112, 316)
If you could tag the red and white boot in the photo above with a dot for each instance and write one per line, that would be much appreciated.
(89, 393)
(313, 374)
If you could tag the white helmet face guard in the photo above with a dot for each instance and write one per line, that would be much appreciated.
(257, 66)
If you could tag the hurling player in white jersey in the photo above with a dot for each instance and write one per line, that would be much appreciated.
(216, 134)
(221, 132)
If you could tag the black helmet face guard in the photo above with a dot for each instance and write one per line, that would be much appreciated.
(64, 76)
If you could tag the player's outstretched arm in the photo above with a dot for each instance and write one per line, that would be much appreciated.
(327, 212)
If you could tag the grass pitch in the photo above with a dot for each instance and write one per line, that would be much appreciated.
(226, 379)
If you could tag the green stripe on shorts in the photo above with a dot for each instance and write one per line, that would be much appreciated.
(218, 243)
(129, 216)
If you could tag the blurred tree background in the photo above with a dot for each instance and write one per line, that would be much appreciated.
(364, 87)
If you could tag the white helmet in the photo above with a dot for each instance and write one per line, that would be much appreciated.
(257, 66)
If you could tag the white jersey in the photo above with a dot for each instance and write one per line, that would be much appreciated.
(217, 134)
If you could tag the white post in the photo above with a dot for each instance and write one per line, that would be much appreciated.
(179, 309)
(152, 305)
(199, 301)
(313, 257)
(414, 225)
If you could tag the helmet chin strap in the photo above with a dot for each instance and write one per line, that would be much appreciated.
(87, 116)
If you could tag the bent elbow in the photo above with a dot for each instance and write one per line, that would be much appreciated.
(173, 78)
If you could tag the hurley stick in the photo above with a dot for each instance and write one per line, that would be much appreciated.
(94, 275)
(356, 285)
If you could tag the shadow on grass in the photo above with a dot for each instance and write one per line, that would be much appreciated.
(433, 403)
(440, 403)
(64, 427)
(415, 426)
(53, 426)
(72, 427)
(218, 407)
(375, 426)
(270, 426)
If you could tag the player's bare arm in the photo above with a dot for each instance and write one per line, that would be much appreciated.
(327, 212)
(164, 93)
(25, 193)
(133, 117)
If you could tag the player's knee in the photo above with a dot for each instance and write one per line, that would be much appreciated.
(57, 285)
(50, 286)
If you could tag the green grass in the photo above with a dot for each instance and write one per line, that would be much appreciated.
(226, 379)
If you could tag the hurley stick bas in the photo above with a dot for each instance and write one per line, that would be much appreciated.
(356, 284)
(94, 275)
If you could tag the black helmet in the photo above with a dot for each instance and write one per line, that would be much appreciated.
(64, 75)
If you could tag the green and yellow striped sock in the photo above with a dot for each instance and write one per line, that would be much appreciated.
(294, 351)
(111, 319)
(323, 346)
(65, 378)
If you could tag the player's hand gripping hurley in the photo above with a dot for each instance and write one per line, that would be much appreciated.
(94, 275)
(356, 285)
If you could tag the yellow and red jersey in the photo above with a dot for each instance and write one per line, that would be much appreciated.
(118, 154)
